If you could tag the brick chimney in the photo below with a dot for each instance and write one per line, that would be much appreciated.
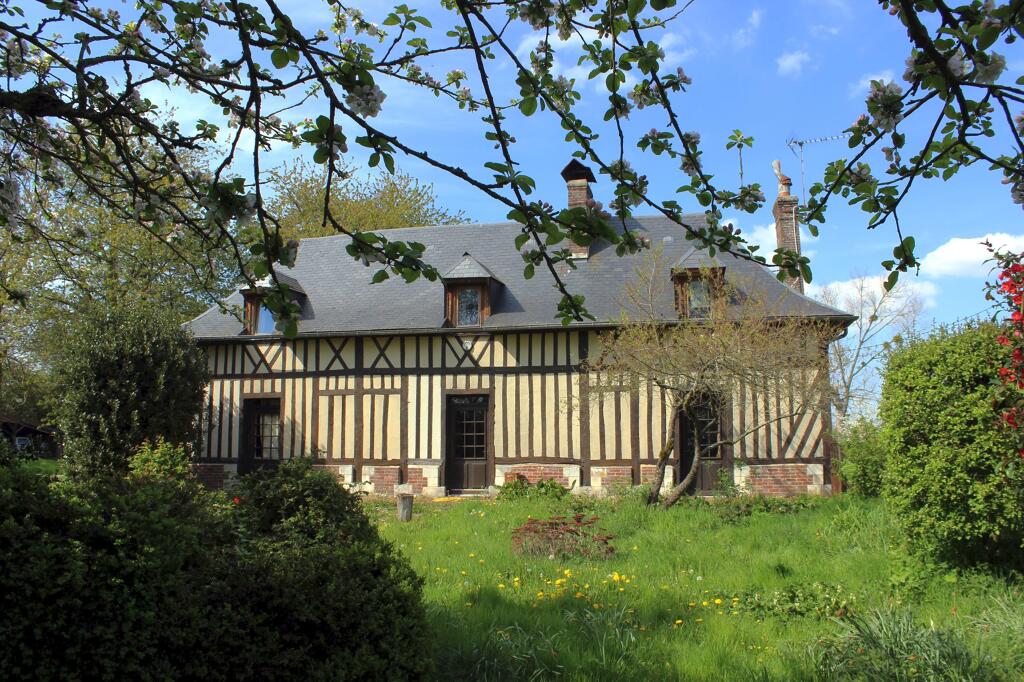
(577, 181)
(787, 227)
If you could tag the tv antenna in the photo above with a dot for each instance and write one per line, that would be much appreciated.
(793, 143)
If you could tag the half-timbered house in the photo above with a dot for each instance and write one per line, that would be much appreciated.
(457, 385)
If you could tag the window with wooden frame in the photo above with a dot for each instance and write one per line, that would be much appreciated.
(261, 420)
(467, 303)
(696, 290)
(258, 320)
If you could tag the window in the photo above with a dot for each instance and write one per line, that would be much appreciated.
(264, 321)
(262, 418)
(698, 298)
(467, 307)
(696, 290)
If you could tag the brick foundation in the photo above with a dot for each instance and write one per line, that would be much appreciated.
(342, 473)
(606, 478)
(210, 475)
(782, 480)
(567, 475)
(417, 479)
(382, 479)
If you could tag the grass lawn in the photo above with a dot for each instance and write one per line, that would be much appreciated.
(688, 594)
(45, 467)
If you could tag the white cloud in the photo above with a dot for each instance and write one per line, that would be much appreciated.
(745, 35)
(860, 88)
(845, 293)
(792, 63)
(966, 256)
(824, 31)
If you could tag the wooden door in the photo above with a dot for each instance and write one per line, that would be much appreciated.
(701, 439)
(468, 443)
(261, 434)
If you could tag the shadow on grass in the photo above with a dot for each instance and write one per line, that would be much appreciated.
(490, 637)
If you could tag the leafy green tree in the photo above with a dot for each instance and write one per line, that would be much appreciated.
(64, 109)
(863, 454)
(127, 375)
(381, 202)
(946, 476)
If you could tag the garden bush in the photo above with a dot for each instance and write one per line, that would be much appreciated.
(561, 537)
(863, 457)
(736, 509)
(126, 376)
(946, 476)
(150, 576)
(520, 488)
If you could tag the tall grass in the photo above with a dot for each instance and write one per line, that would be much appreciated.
(689, 593)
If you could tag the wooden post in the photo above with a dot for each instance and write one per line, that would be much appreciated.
(404, 507)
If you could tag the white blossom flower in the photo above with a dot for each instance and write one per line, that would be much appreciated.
(365, 100)
(991, 71)
(885, 104)
(958, 65)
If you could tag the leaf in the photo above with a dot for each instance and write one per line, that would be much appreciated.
(521, 241)
(379, 276)
(528, 106)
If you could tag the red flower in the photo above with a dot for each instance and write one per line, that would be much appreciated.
(236, 500)
(1003, 340)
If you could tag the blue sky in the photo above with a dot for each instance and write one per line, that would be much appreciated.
(776, 71)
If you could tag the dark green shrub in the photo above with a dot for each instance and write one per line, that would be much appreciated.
(519, 488)
(127, 375)
(885, 645)
(945, 477)
(150, 576)
(297, 500)
(863, 457)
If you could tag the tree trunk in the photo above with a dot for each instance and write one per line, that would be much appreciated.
(663, 455)
(680, 489)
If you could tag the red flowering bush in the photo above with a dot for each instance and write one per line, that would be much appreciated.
(561, 537)
(1008, 295)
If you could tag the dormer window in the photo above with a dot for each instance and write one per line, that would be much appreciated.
(468, 290)
(696, 290)
(258, 318)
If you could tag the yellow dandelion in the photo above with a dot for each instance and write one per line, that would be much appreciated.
(501, 586)
(679, 622)
(580, 595)
(567, 573)
(704, 603)
(718, 601)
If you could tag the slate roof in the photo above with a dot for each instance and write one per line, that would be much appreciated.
(341, 300)
(469, 268)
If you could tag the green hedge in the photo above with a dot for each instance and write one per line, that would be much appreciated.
(946, 477)
(126, 375)
(152, 577)
(863, 450)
